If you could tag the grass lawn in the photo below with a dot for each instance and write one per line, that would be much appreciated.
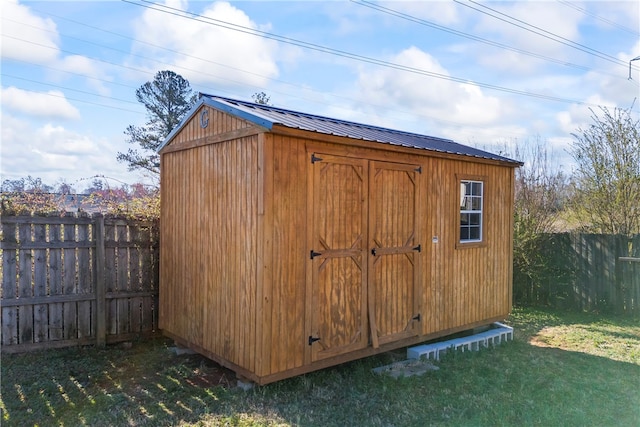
(562, 369)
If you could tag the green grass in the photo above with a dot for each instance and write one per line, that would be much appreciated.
(562, 369)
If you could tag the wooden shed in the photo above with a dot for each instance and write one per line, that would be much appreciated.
(291, 242)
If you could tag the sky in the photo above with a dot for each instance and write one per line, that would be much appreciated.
(491, 75)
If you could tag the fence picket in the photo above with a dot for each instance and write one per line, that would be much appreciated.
(9, 288)
(40, 311)
(55, 283)
(110, 276)
(147, 264)
(25, 313)
(135, 303)
(122, 277)
(85, 285)
(69, 309)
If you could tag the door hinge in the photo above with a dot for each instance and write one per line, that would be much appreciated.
(314, 158)
(314, 254)
(416, 317)
(418, 169)
(313, 339)
(418, 248)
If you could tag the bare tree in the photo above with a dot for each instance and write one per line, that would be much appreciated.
(607, 178)
(540, 198)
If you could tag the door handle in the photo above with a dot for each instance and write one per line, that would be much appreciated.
(373, 251)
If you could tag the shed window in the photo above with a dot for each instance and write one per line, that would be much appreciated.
(471, 194)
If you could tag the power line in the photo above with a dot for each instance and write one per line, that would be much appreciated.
(599, 18)
(385, 107)
(426, 23)
(341, 53)
(137, 41)
(48, 67)
(55, 95)
(345, 53)
(67, 88)
(541, 32)
(216, 76)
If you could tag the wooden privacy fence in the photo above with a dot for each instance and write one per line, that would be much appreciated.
(77, 279)
(590, 272)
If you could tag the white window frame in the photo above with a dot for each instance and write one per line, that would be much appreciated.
(471, 203)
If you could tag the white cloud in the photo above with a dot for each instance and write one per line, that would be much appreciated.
(205, 46)
(51, 104)
(543, 17)
(25, 36)
(52, 152)
(427, 96)
(87, 67)
(440, 12)
(624, 13)
(30, 38)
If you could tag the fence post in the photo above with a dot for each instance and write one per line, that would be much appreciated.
(101, 302)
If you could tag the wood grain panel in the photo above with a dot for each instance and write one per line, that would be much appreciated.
(288, 164)
(219, 123)
(209, 208)
(339, 307)
(394, 264)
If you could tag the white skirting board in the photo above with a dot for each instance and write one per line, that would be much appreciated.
(493, 336)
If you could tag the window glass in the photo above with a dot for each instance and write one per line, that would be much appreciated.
(471, 198)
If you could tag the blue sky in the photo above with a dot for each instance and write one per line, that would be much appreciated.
(484, 74)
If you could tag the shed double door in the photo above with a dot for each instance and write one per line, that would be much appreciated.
(364, 254)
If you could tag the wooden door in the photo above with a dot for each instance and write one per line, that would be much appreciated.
(339, 256)
(393, 261)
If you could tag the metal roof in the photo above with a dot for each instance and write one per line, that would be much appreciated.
(267, 116)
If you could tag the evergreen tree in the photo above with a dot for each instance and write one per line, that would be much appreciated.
(167, 99)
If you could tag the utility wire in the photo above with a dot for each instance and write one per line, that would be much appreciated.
(409, 113)
(84, 101)
(250, 30)
(137, 41)
(426, 23)
(385, 107)
(68, 88)
(84, 76)
(600, 18)
(341, 53)
(541, 32)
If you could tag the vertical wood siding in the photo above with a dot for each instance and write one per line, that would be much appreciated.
(218, 123)
(209, 235)
(472, 283)
(287, 192)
